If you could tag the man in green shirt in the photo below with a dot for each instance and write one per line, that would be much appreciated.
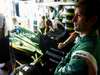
(82, 59)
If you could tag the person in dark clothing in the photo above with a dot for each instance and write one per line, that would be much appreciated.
(6, 64)
(4, 42)
(4, 47)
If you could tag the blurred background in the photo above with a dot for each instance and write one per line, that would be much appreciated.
(33, 29)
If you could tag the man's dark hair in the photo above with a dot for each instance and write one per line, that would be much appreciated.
(49, 22)
(90, 8)
(43, 17)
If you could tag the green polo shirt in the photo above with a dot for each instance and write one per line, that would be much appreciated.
(97, 54)
(76, 65)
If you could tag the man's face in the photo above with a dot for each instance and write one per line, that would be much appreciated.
(80, 22)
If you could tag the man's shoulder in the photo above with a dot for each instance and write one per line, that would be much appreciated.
(86, 45)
